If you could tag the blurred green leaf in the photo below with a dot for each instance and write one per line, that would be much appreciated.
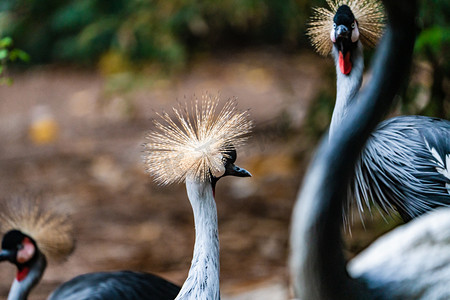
(3, 53)
(9, 55)
(19, 54)
(432, 38)
(5, 42)
(6, 81)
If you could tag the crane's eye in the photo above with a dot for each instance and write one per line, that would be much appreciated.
(20, 247)
(334, 25)
(353, 25)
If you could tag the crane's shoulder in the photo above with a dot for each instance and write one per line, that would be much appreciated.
(416, 124)
(428, 135)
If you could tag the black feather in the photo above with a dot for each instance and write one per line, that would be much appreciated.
(124, 285)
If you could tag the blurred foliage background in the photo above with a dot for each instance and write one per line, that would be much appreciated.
(168, 32)
(163, 36)
(433, 47)
(9, 54)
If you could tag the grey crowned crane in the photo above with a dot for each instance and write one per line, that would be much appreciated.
(389, 270)
(33, 235)
(405, 165)
(200, 150)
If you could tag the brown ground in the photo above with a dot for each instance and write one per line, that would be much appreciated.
(123, 220)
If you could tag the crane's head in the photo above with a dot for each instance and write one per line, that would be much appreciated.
(344, 35)
(197, 143)
(30, 229)
(18, 248)
(344, 25)
(230, 169)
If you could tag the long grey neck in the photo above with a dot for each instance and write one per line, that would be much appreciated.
(203, 278)
(347, 86)
(21, 289)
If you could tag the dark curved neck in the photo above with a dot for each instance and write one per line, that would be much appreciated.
(318, 266)
(21, 289)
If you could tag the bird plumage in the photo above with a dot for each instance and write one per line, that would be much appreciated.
(368, 13)
(410, 262)
(51, 230)
(194, 142)
(405, 166)
(125, 285)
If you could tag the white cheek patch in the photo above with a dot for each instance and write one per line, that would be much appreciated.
(218, 172)
(332, 36)
(355, 34)
(218, 168)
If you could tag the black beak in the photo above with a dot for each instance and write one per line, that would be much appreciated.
(233, 170)
(341, 32)
(7, 255)
(343, 40)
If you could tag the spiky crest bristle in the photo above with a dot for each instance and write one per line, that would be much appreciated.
(52, 231)
(368, 13)
(194, 142)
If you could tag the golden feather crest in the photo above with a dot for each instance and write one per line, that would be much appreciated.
(194, 142)
(52, 232)
(368, 13)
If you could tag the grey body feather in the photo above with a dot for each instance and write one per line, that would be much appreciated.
(402, 166)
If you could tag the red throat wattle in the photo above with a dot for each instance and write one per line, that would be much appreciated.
(344, 63)
(21, 274)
